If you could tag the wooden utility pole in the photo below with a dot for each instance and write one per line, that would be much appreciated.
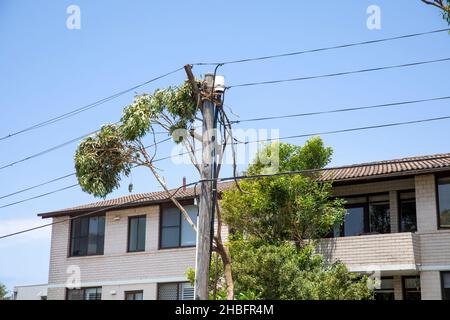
(205, 211)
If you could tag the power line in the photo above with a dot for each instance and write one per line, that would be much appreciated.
(90, 213)
(220, 180)
(37, 185)
(60, 178)
(338, 74)
(41, 153)
(86, 107)
(322, 49)
(39, 196)
(395, 124)
(385, 105)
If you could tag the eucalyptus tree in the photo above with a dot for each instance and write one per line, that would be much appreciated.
(105, 158)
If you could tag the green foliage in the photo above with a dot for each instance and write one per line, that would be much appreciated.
(178, 103)
(217, 282)
(101, 160)
(276, 222)
(287, 272)
(3, 292)
(290, 207)
(313, 155)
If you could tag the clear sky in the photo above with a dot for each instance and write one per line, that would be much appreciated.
(47, 69)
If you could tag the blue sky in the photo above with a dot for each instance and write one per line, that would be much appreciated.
(47, 70)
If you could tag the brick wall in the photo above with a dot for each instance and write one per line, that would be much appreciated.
(118, 270)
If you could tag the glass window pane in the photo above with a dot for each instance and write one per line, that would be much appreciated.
(93, 231)
(408, 216)
(84, 229)
(101, 234)
(354, 222)
(137, 295)
(75, 294)
(446, 279)
(444, 201)
(168, 291)
(188, 235)
(171, 217)
(170, 237)
(141, 234)
(387, 283)
(93, 294)
(132, 241)
(379, 217)
(186, 291)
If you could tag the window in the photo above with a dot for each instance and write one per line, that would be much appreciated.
(445, 278)
(367, 214)
(134, 295)
(84, 294)
(443, 189)
(87, 236)
(175, 230)
(407, 211)
(380, 216)
(411, 288)
(386, 290)
(136, 233)
(175, 291)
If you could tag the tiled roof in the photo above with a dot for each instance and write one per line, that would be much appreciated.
(365, 171)
(388, 168)
(133, 200)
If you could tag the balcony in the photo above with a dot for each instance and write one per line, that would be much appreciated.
(381, 252)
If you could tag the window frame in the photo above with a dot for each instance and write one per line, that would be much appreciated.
(399, 208)
(404, 289)
(384, 291)
(83, 290)
(366, 206)
(438, 210)
(133, 292)
(70, 245)
(177, 283)
(129, 233)
(443, 296)
(160, 228)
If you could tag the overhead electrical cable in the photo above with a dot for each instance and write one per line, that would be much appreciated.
(341, 46)
(86, 107)
(338, 74)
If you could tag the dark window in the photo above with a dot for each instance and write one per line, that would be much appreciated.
(354, 221)
(84, 294)
(87, 236)
(175, 230)
(136, 233)
(175, 291)
(385, 290)
(366, 214)
(443, 187)
(445, 285)
(407, 212)
(411, 288)
(379, 217)
(134, 295)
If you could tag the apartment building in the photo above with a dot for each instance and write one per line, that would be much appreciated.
(397, 227)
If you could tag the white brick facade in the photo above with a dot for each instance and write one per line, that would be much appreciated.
(424, 253)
